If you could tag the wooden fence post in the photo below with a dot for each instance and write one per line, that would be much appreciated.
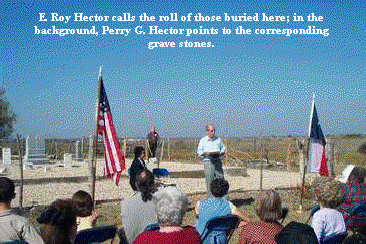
(227, 152)
(169, 149)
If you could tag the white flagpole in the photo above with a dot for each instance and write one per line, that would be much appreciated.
(93, 165)
(312, 112)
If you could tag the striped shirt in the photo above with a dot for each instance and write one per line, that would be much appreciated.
(259, 232)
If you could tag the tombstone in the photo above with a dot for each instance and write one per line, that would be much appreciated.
(35, 152)
(68, 159)
(6, 156)
(78, 153)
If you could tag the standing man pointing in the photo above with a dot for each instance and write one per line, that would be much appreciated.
(211, 149)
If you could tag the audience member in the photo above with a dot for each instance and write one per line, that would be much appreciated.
(138, 164)
(84, 209)
(268, 209)
(216, 206)
(13, 226)
(58, 222)
(138, 211)
(327, 221)
(353, 193)
(171, 205)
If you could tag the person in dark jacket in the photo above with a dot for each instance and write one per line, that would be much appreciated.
(138, 164)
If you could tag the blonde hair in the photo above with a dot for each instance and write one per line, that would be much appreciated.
(327, 191)
(268, 207)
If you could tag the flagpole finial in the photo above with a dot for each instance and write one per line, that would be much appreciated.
(100, 71)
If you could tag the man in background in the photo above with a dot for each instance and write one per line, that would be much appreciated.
(152, 140)
(211, 149)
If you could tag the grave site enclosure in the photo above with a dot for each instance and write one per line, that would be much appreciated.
(51, 164)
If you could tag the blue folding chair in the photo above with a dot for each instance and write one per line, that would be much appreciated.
(14, 242)
(334, 239)
(357, 218)
(96, 235)
(219, 230)
(161, 172)
(152, 227)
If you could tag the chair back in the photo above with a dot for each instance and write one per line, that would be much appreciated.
(160, 172)
(15, 242)
(357, 217)
(96, 235)
(224, 225)
(334, 239)
(152, 227)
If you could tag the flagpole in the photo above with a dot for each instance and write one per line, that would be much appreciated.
(306, 162)
(95, 142)
(311, 113)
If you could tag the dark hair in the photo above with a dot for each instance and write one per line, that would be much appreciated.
(54, 235)
(138, 150)
(7, 189)
(145, 183)
(60, 214)
(357, 174)
(83, 203)
(219, 187)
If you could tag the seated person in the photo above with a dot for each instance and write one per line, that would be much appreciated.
(84, 209)
(138, 211)
(58, 223)
(269, 211)
(327, 221)
(215, 206)
(138, 164)
(171, 205)
(353, 193)
(13, 226)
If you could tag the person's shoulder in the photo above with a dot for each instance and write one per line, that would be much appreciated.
(192, 232)
(145, 236)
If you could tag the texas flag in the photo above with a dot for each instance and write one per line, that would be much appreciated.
(317, 158)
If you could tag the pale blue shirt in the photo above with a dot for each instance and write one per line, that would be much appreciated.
(328, 222)
(208, 145)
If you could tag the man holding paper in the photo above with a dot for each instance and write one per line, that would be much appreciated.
(211, 149)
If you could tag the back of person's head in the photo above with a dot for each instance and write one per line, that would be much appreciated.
(7, 189)
(138, 150)
(170, 205)
(296, 233)
(145, 183)
(327, 191)
(83, 203)
(54, 235)
(59, 215)
(268, 207)
(357, 175)
(219, 187)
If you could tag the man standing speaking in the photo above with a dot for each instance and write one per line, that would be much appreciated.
(211, 149)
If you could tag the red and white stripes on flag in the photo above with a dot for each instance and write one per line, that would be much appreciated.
(317, 156)
(114, 159)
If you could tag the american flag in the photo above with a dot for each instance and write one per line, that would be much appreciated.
(318, 161)
(114, 159)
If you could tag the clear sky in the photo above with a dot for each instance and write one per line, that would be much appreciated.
(248, 84)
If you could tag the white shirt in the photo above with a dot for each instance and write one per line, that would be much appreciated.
(210, 145)
(328, 222)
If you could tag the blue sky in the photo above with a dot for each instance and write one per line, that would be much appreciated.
(256, 85)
